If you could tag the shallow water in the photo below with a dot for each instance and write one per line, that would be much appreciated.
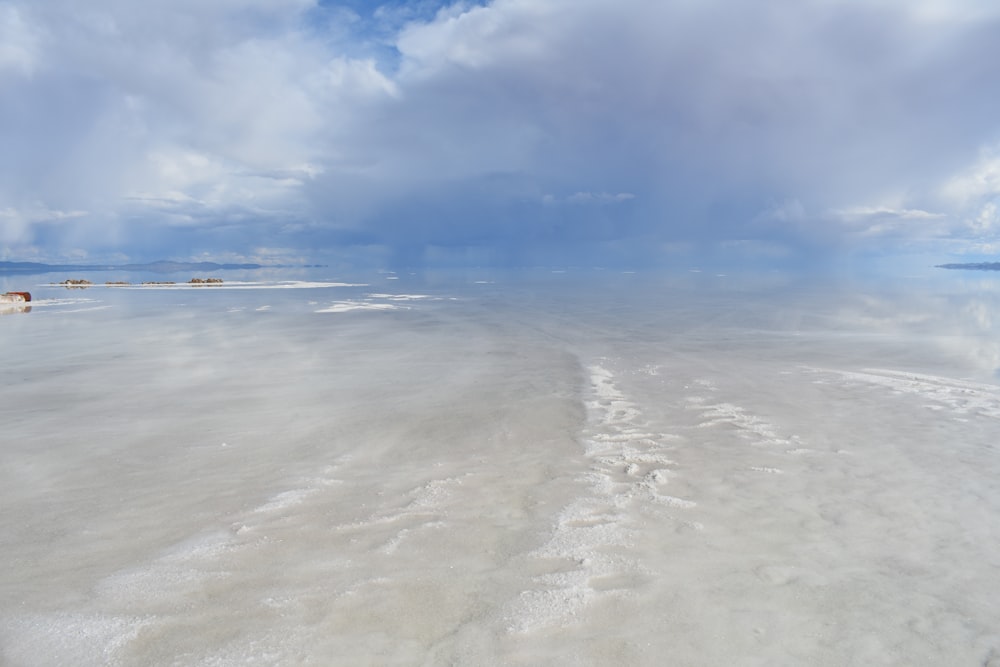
(588, 469)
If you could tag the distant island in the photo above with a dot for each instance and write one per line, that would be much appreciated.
(75, 283)
(973, 266)
(155, 267)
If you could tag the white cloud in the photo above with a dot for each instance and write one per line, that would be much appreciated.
(359, 78)
(988, 219)
(860, 213)
(787, 211)
(479, 37)
(981, 179)
(974, 193)
(884, 224)
(249, 112)
(19, 42)
(15, 223)
(599, 197)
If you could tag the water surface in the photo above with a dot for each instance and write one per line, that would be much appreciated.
(586, 468)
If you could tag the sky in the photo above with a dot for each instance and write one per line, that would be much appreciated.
(511, 132)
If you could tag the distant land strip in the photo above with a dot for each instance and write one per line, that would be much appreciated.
(156, 267)
(973, 266)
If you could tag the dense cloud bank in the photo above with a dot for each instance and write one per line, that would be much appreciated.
(515, 132)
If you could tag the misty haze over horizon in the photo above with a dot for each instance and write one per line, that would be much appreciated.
(504, 133)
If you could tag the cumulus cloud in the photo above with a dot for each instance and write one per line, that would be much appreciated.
(973, 195)
(586, 198)
(18, 42)
(507, 129)
(15, 224)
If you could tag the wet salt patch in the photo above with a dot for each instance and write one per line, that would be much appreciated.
(962, 397)
(540, 608)
(773, 471)
(347, 306)
(163, 581)
(14, 308)
(201, 547)
(637, 436)
(238, 285)
(68, 301)
(746, 423)
(659, 476)
(432, 493)
(321, 481)
(602, 484)
(84, 310)
(607, 392)
(356, 587)
(392, 545)
(580, 540)
(782, 575)
(924, 379)
(633, 457)
(619, 445)
(426, 500)
(582, 547)
(263, 650)
(621, 415)
(673, 501)
(286, 499)
(83, 639)
(409, 297)
(183, 567)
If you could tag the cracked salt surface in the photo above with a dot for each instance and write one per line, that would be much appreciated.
(604, 482)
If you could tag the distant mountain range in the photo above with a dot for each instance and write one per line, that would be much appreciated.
(157, 267)
(975, 266)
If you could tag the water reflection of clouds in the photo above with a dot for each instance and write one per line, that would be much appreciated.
(963, 325)
(68, 305)
(165, 458)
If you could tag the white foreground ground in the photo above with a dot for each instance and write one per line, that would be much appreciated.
(628, 473)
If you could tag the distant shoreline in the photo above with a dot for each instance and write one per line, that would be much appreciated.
(72, 283)
(154, 267)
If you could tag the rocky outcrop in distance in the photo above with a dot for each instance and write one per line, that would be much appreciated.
(83, 282)
(972, 266)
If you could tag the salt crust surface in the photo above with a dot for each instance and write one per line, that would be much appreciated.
(714, 504)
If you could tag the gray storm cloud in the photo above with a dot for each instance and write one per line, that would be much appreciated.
(535, 129)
